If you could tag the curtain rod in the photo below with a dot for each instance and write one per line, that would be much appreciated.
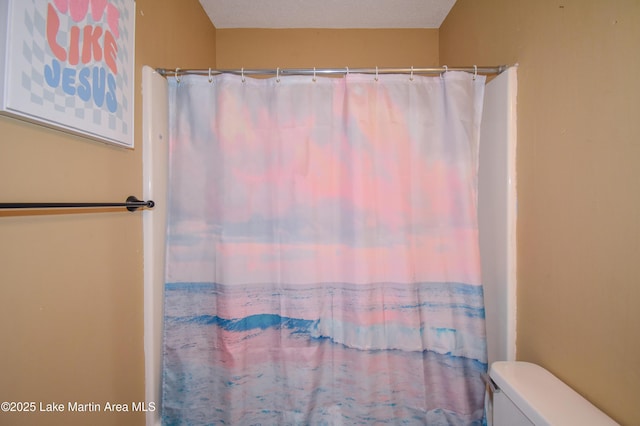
(132, 204)
(497, 69)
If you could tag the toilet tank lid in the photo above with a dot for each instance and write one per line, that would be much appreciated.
(544, 398)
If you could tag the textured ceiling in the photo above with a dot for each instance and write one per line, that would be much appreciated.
(327, 13)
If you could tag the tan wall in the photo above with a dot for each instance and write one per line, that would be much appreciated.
(326, 48)
(578, 166)
(71, 311)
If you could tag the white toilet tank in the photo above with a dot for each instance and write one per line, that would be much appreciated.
(526, 394)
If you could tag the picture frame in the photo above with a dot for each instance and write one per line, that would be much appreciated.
(69, 65)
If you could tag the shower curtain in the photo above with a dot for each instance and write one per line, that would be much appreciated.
(322, 251)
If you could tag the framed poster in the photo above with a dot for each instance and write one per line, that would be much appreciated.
(69, 64)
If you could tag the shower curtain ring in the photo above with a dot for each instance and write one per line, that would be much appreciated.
(347, 71)
(411, 77)
(242, 74)
(376, 73)
(314, 74)
(446, 69)
(210, 78)
(278, 75)
(475, 72)
(177, 75)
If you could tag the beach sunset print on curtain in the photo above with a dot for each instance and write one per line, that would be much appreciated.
(323, 264)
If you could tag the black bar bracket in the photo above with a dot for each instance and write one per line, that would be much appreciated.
(134, 204)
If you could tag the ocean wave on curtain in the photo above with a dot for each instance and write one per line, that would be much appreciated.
(322, 254)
